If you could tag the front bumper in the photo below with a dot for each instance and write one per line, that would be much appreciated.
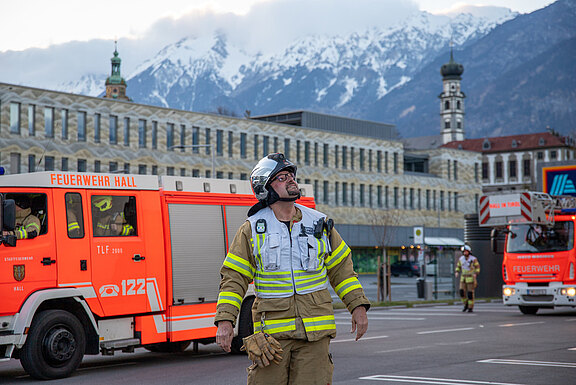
(557, 294)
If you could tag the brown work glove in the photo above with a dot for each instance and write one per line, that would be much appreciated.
(262, 349)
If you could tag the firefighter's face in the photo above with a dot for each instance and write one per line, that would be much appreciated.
(285, 184)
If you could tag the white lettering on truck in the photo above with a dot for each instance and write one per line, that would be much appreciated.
(536, 269)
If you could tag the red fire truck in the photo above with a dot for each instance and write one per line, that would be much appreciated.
(539, 256)
(120, 261)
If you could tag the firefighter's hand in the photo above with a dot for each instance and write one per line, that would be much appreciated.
(224, 335)
(359, 321)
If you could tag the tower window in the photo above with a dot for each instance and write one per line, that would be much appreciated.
(447, 124)
(446, 105)
(486, 145)
(458, 105)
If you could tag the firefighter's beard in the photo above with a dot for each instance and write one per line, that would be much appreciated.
(292, 189)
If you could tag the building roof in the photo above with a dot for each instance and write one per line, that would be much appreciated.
(511, 143)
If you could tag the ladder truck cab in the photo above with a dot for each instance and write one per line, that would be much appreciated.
(539, 266)
(114, 262)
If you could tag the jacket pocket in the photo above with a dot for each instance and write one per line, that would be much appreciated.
(271, 257)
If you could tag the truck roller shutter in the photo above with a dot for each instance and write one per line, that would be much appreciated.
(235, 217)
(198, 250)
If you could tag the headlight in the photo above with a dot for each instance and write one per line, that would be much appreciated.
(570, 291)
(508, 291)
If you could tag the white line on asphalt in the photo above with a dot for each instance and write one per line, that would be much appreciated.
(446, 330)
(572, 349)
(571, 320)
(423, 314)
(529, 363)
(396, 319)
(426, 346)
(430, 380)
(521, 324)
(362, 339)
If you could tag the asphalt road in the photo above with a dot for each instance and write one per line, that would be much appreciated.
(494, 345)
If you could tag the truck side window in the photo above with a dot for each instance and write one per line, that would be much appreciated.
(114, 216)
(74, 217)
(31, 214)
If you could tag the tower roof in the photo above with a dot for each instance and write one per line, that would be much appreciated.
(452, 70)
(115, 77)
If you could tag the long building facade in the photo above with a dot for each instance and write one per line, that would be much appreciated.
(359, 180)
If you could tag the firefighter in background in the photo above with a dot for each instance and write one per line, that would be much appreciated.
(27, 224)
(107, 222)
(291, 253)
(468, 268)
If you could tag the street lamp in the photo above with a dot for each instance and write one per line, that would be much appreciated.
(211, 146)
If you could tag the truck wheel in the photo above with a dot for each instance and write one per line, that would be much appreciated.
(528, 309)
(55, 345)
(245, 325)
(168, 347)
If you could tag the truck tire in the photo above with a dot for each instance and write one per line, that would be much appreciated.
(245, 325)
(168, 347)
(55, 345)
(528, 309)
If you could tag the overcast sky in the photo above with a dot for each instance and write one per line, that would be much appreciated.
(40, 23)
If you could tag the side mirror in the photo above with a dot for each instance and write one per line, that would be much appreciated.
(494, 240)
(7, 221)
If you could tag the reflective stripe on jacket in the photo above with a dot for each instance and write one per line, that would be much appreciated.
(467, 268)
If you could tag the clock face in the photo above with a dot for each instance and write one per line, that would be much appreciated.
(115, 90)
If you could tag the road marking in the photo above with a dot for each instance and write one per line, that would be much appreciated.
(446, 330)
(529, 363)
(572, 349)
(521, 324)
(426, 346)
(362, 339)
(430, 380)
(423, 314)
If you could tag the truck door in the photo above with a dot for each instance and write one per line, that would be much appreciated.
(118, 252)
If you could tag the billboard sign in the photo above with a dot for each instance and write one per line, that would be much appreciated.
(559, 180)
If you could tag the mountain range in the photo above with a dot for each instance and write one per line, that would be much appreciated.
(519, 73)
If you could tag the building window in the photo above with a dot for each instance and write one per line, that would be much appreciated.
(82, 165)
(195, 173)
(275, 144)
(154, 135)
(142, 169)
(386, 162)
(15, 163)
(97, 166)
(142, 133)
(64, 164)
(316, 154)
(15, 118)
(352, 157)
(49, 122)
(379, 195)
(154, 170)
(553, 154)
(434, 200)
(182, 172)
(448, 166)
(208, 135)
(97, 124)
(498, 169)
(362, 159)
(395, 163)
(81, 126)
(195, 140)
(447, 124)
(344, 157)
(113, 167)
(243, 176)
(344, 193)
(325, 192)
(126, 168)
(297, 151)
(485, 170)
(170, 137)
(183, 137)
(127, 132)
(379, 161)
(243, 145)
(230, 144)
(395, 198)
(486, 144)
(336, 158)
(49, 163)
(265, 145)
(31, 120)
(540, 155)
(455, 169)
(219, 175)
(370, 160)
(336, 192)
(362, 202)
(256, 152)
(411, 198)
(456, 201)
(441, 200)
(219, 142)
(526, 171)
(230, 175)
(446, 105)
(113, 129)
(64, 116)
(287, 148)
(405, 198)
(476, 172)
(386, 197)
(512, 168)
(31, 163)
(306, 153)
(170, 171)
(427, 199)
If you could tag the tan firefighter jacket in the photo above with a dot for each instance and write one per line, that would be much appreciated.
(288, 315)
(468, 267)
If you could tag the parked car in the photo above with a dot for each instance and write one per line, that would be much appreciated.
(405, 267)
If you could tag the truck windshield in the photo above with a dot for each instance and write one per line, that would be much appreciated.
(540, 239)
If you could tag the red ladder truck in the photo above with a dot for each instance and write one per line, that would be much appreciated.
(539, 256)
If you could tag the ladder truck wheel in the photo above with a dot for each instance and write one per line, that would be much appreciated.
(528, 309)
(245, 325)
(55, 345)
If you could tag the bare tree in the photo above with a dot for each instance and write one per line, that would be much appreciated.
(383, 223)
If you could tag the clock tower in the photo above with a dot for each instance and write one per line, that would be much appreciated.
(452, 102)
(115, 83)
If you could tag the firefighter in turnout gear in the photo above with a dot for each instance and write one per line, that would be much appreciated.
(27, 224)
(291, 253)
(107, 222)
(468, 268)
